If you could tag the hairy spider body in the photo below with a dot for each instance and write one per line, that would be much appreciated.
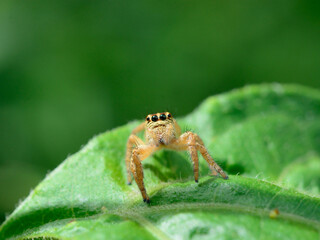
(162, 131)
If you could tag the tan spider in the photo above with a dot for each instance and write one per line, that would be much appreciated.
(162, 131)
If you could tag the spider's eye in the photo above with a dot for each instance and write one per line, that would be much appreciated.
(154, 118)
(169, 115)
(148, 119)
(163, 117)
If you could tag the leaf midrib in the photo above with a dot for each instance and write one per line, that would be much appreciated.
(131, 214)
(132, 211)
(138, 215)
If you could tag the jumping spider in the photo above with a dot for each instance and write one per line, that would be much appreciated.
(162, 131)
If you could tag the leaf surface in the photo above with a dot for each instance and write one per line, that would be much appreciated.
(266, 137)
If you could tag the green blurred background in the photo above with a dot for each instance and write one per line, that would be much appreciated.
(72, 69)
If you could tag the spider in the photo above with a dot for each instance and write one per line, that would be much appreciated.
(162, 131)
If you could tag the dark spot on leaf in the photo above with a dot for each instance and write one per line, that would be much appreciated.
(235, 169)
(198, 231)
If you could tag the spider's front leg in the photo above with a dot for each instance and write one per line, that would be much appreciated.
(139, 154)
(133, 141)
(193, 143)
(212, 164)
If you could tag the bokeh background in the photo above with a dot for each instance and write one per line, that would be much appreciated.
(72, 69)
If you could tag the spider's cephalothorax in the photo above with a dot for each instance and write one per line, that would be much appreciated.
(160, 128)
(162, 131)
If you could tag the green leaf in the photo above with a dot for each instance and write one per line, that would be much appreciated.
(266, 137)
